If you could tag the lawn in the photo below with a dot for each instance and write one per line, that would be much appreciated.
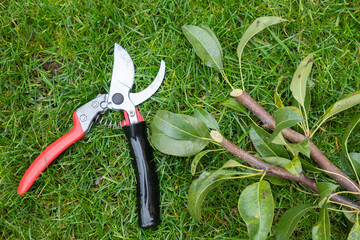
(58, 55)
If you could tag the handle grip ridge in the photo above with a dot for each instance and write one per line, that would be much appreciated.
(145, 170)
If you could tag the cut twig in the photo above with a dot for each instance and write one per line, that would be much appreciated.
(247, 101)
(277, 171)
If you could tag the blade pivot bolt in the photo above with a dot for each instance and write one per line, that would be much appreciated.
(118, 98)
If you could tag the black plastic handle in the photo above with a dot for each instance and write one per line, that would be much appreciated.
(146, 177)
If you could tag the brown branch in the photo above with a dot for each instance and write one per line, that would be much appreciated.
(247, 101)
(276, 171)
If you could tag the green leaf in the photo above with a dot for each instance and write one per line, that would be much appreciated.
(345, 165)
(277, 181)
(261, 140)
(279, 139)
(231, 163)
(307, 102)
(321, 230)
(295, 109)
(175, 126)
(200, 188)
(294, 166)
(277, 161)
(325, 188)
(302, 147)
(235, 105)
(285, 118)
(310, 165)
(341, 105)
(355, 159)
(178, 134)
(196, 160)
(351, 166)
(206, 117)
(351, 216)
(298, 83)
(271, 179)
(350, 127)
(205, 44)
(211, 33)
(256, 206)
(348, 130)
(200, 127)
(257, 26)
(176, 147)
(355, 232)
(290, 219)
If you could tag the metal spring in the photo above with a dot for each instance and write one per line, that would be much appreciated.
(110, 123)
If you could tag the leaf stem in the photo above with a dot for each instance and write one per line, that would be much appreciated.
(245, 176)
(241, 75)
(306, 192)
(307, 129)
(206, 139)
(287, 145)
(341, 210)
(226, 79)
(262, 176)
(341, 192)
(303, 127)
(313, 131)
(250, 168)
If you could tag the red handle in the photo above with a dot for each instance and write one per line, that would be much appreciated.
(49, 154)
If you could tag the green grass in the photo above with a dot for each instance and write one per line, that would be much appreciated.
(57, 55)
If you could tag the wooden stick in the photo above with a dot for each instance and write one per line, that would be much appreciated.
(276, 171)
(331, 170)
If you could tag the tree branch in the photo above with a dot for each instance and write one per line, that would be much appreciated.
(276, 171)
(247, 101)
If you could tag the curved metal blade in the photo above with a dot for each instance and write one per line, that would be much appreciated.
(123, 70)
(140, 97)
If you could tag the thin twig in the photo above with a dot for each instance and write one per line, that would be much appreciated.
(277, 171)
(247, 101)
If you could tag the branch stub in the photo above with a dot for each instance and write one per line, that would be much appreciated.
(216, 136)
(236, 92)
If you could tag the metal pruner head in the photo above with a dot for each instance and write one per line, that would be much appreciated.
(120, 97)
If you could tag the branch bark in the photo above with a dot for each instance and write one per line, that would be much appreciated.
(277, 171)
(331, 170)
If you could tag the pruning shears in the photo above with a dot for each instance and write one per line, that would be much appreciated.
(119, 98)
